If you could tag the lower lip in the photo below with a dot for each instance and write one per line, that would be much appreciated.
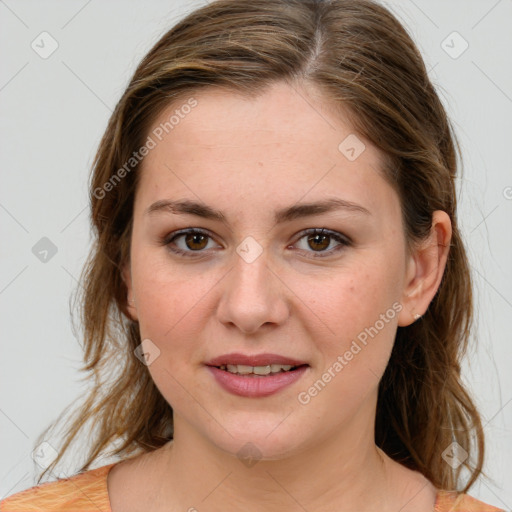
(256, 385)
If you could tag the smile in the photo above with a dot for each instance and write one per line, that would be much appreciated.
(256, 381)
(270, 369)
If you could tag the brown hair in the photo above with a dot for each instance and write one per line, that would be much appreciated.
(362, 59)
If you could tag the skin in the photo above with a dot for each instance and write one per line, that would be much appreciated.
(248, 158)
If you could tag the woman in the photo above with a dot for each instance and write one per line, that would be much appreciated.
(278, 299)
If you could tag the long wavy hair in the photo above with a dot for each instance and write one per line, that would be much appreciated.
(364, 62)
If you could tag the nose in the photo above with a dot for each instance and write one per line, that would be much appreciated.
(253, 295)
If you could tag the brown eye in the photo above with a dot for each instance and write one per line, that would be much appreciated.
(317, 242)
(188, 242)
(196, 241)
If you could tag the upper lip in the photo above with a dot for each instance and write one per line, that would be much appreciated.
(253, 360)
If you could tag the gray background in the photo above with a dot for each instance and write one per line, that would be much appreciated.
(54, 111)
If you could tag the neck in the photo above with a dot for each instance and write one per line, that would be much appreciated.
(353, 473)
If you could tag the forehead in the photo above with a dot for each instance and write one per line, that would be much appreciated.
(284, 144)
(280, 115)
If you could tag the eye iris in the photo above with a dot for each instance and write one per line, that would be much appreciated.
(315, 238)
(196, 238)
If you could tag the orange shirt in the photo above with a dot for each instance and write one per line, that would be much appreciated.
(87, 492)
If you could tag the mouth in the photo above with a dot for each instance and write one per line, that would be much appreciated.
(258, 364)
(256, 376)
(258, 371)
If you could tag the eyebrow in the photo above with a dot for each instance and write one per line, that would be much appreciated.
(287, 214)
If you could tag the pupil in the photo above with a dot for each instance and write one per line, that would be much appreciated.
(316, 238)
(196, 238)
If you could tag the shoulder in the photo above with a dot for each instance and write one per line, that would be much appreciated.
(451, 501)
(83, 492)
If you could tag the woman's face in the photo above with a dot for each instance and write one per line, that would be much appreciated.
(256, 281)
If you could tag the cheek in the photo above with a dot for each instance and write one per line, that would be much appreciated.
(353, 322)
(349, 301)
(171, 315)
(351, 362)
(168, 299)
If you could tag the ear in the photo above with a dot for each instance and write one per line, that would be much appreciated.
(425, 269)
(131, 307)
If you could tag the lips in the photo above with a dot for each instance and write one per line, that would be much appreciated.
(236, 358)
(251, 385)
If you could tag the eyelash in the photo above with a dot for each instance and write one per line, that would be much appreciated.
(343, 240)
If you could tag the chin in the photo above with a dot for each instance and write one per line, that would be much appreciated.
(260, 442)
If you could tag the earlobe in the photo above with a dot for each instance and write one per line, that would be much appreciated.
(426, 269)
(130, 299)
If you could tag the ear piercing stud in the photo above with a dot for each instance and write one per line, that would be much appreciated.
(416, 316)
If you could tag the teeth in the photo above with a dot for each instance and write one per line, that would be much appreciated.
(256, 370)
(274, 368)
(240, 368)
(261, 370)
